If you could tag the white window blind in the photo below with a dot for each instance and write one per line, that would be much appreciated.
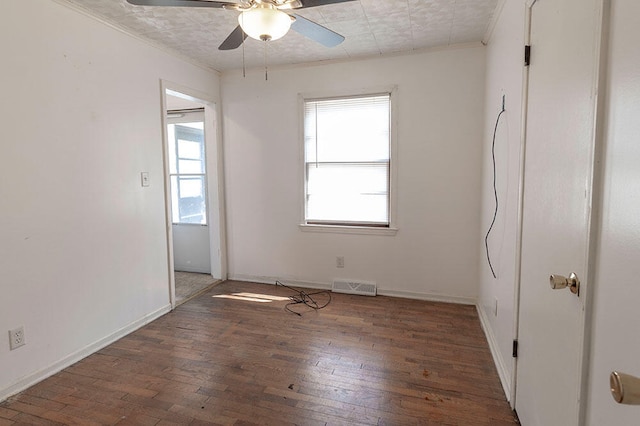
(347, 160)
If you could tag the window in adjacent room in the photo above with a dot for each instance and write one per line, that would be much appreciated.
(187, 167)
(347, 160)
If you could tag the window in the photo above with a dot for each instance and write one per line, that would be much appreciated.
(347, 151)
(187, 168)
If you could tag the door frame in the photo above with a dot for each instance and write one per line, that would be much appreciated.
(215, 181)
(593, 226)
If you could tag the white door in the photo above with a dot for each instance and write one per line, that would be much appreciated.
(556, 208)
(616, 316)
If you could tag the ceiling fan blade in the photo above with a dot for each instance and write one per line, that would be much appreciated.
(183, 3)
(234, 40)
(314, 3)
(316, 32)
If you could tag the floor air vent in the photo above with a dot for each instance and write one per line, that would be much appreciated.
(354, 287)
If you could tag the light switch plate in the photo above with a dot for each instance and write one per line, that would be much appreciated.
(144, 178)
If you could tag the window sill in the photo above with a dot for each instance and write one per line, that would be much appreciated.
(362, 230)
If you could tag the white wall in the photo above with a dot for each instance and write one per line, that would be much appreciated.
(615, 344)
(504, 77)
(191, 248)
(83, 251)
(435, 252)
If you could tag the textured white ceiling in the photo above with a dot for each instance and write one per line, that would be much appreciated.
(370, 27)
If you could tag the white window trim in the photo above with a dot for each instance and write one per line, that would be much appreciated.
(341, 229)
(392, 229)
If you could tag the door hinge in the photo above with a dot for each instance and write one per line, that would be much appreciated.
(527, 55)
(515, 349)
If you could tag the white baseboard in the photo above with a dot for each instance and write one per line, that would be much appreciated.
(498, 360)
(56, 367)
(432, 297)
(272, 280)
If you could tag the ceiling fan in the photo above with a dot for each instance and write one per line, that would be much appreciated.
(263, 19)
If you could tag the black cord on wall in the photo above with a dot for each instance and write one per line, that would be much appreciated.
(495, 190)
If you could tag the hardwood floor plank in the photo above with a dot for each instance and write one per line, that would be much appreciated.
(28, 419)
(8, 414)
(202, 415)
(25, 408)
(68, 419)
(138, 419)
(233, 361)
(43, 403)
(127, 388)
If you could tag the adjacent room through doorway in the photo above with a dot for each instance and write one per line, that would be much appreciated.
(189, 202)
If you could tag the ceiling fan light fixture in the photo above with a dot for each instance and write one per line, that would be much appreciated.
(264, 22)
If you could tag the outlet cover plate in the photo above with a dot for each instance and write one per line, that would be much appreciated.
(16, 338)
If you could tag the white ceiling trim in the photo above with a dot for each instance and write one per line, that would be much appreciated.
(494, 20)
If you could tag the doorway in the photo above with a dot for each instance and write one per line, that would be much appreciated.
(192, 193)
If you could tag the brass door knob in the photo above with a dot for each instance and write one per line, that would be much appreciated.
(625, 388)
(559, 282)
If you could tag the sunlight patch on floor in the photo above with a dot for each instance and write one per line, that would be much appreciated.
(252, 297)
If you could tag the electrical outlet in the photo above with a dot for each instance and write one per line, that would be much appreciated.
(144, 179)
(16, 338)
(340, 262)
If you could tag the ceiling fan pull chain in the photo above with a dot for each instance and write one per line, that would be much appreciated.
(244, 68)
(266, 75)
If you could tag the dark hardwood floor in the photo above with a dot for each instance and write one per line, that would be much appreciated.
(241, 359)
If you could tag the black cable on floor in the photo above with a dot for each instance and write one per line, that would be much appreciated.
(303, 298)
(495, 190)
